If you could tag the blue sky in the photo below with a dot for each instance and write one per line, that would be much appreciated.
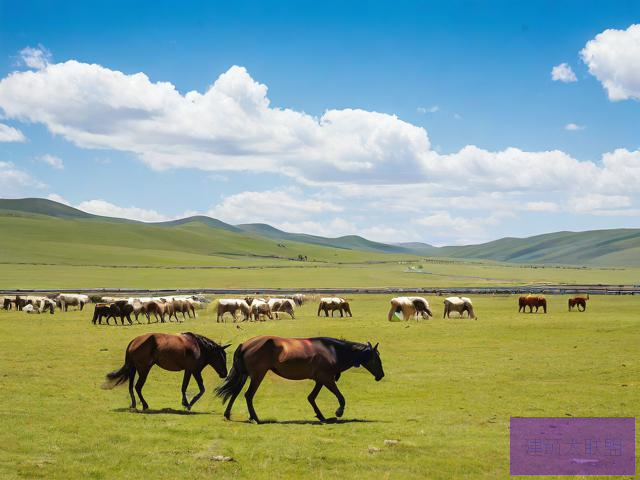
(400, 121)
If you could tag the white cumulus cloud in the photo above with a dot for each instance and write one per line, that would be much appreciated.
(353, 168)
(14, 180)
(58, 198)
(563, 73)
(52, 161)
(271, 206)
(34, 57)
(574, 127)
(107, 209)
(613, 57)
(10, 134)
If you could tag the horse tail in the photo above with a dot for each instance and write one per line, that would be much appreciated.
(236, 379)
(118, 377)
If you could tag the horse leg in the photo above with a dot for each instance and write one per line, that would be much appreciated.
(142, 377)
(256, 380)
(333, 388)
(227, 411)
(198, 377)
(132, 376)
(185, 384)
(312, 400)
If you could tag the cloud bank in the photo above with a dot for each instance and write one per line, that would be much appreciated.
(352, 167)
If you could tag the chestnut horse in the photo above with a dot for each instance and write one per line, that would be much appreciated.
(531, 301)
(578, 302)
(186, 351)
(320, 359)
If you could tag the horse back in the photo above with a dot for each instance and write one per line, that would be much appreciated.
(288, 357)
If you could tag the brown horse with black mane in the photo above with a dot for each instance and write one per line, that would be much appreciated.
(320, 359)
(186, 351)
(580, 302)
(532, 301)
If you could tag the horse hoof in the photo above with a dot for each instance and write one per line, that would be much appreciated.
(339, 413)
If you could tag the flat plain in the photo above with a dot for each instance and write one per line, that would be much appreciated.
(449, 391)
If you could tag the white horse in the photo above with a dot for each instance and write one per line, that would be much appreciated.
(232, 305)
(64, 300)
(331, 304)
(409, 307)
(458, 304)
(282, 305)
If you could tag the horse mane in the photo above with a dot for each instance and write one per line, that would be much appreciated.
(203, 342)
(344, 343)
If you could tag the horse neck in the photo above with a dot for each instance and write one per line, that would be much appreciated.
(346, 353)
(206, 350)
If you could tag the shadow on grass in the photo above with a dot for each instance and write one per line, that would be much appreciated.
(328, 421)
(167, 411)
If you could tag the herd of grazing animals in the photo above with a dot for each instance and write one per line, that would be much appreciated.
(251, 308)
(321, 359)
(161, 308)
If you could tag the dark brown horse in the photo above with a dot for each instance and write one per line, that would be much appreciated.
(580, 302)
(186, 351)
(320, 359)
(532, 301)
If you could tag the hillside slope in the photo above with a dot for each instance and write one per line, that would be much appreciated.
(596, 247)
(35, 238)
(25, 222)
(350, 242)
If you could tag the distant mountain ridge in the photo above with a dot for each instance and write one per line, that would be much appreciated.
(613, 247)
(350, 242)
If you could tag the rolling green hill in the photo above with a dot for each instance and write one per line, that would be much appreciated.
(73, 240)
(211, 222)
(349, 242)
(597, 247)
(41, 206)
(35, 228)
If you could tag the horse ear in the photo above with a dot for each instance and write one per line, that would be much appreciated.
(369, 345)
(376, 347)
(224, 347)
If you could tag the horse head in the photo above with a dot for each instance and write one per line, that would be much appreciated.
(218, 359)
(369, 358)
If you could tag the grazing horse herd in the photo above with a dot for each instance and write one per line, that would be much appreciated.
(321, 359)
(538, 301)
(158, 307)
(258, 308)
(252, 308)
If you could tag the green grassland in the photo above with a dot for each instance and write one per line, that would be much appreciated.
(274, 275)
(449, 391)
(40, 251)
(44, 239)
